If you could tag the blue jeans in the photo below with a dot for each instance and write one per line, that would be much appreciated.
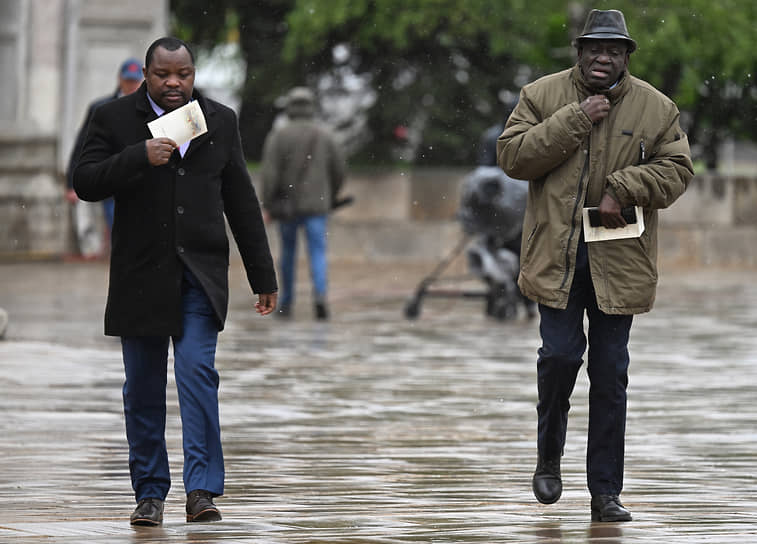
(108, 210)
(560, 357)
(315, 233)
(144, 393)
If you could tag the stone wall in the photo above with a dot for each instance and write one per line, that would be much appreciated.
(56, 56)
(713, 223)
(34, 219)
(397, 213)
(410, 214)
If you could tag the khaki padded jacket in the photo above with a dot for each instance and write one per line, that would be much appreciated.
(638, 154)
(302, 161)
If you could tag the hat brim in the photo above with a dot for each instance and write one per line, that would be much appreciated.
(608, 36)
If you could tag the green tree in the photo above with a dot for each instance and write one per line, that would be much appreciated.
(701, 54)
(440, 67)
(260, 28)
(698, 52)
(446, 68)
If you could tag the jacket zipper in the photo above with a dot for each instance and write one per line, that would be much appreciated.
(575, 209)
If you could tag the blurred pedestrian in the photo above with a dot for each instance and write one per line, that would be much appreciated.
(592, 135)
(3, 323)
(89, 235)
(487, 145)
(168, 273)
(303, 171)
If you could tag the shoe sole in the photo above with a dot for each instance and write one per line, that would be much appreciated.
(209, 514)
(146, 522)
(547, 501)
(596, 516)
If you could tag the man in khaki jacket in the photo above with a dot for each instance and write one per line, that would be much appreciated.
(302, 171)
(591, 136)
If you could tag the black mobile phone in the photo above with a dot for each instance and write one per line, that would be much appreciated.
(628, 213)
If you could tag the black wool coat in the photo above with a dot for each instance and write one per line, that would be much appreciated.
(171, 216)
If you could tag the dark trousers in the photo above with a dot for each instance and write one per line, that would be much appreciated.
(144, 393)
(560, 357)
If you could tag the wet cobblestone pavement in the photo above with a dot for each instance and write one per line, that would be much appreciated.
(374, 429)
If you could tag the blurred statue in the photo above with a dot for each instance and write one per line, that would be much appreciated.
(491, 208)
(3, 323)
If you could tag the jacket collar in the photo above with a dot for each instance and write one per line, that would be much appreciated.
(614, 94)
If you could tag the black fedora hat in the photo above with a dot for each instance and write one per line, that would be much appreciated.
(606, 25)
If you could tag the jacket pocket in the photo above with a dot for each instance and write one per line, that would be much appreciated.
(526, 253)
(531, 235)
(629, 147)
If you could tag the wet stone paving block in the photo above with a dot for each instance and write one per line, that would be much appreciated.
(371, 428)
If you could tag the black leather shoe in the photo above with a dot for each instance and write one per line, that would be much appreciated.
(200, 506)
(283, 312)
(608, 508)
(321, 311)
(148, 512)
(547, 483)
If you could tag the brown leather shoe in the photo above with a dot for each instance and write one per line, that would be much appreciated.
(148, 512)
(200, 506)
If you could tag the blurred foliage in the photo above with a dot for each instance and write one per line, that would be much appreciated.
(701, 54)
(260, 29)
(447, 69)
(439, 66)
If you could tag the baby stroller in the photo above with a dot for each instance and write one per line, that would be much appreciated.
(491, 213)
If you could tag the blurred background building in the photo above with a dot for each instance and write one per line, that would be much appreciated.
(56, 56)
(408, 89)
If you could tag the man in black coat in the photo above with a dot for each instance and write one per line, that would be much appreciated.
(168, 270)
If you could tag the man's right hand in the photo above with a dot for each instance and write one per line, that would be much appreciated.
(596, 107)
(159, 150)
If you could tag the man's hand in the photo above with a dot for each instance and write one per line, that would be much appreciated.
(266, 303)
(609, 213)
(597, 107)
(159, 150)
(71, 196)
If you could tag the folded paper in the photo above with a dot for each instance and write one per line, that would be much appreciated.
(181, 125)
(598, 234)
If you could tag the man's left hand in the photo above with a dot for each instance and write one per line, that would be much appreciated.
(71, 196)
(609, 213)
(266, 303)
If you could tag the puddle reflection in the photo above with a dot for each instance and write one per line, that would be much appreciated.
(609, 533)
(551, 533)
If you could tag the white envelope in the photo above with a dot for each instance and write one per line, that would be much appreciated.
(181, 125)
